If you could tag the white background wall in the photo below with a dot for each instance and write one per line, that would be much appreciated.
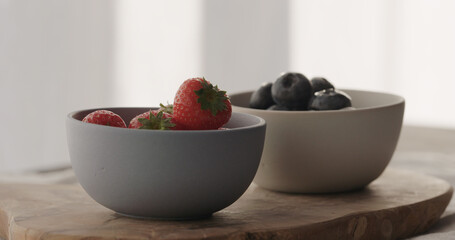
(245, 42)
(57, 56)
(405, 47)
(158, 44)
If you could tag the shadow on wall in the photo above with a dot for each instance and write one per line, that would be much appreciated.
(246, 42)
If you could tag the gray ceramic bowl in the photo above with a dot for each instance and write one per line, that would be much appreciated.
(165, 174)
(327, 151)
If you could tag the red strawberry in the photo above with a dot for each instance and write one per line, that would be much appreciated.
(105, 117)
(154, 119)
(198, 105)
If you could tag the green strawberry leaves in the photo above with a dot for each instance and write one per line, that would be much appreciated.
(211, 98)
(169, 108)
(156, 122)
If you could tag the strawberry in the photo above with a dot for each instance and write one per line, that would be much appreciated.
(105, 117)
(198, 105)
(169, 108)
(154, 119)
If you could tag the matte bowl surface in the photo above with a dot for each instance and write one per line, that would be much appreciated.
(165, 174)
(327, 151)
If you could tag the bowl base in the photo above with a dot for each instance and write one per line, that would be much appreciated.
(164, 218)
(316, 191)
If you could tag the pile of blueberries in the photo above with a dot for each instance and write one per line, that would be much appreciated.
(294, 92)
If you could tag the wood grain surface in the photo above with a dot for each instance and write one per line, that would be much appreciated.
(399, 204)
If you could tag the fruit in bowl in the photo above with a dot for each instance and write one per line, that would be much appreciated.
(198, 105)
(164, 174)
(292, 91)
(327, 150)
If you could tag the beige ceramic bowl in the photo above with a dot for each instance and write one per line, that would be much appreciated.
(327, 151)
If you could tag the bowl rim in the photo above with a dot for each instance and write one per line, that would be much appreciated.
(400, 101)
(70, 118)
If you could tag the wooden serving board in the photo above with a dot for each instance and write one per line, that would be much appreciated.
(399, 204)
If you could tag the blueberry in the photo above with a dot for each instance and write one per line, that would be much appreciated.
(277, 107)
(320, 83)
(292, 90)
(330, 99)
(262, 97)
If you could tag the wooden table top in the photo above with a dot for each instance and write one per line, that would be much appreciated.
(399, 204)
(420, 150)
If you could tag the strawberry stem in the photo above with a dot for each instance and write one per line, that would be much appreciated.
(169, 108)
(156, 122)
(211, 98)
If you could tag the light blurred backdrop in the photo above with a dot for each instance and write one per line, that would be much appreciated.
(57, 56)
